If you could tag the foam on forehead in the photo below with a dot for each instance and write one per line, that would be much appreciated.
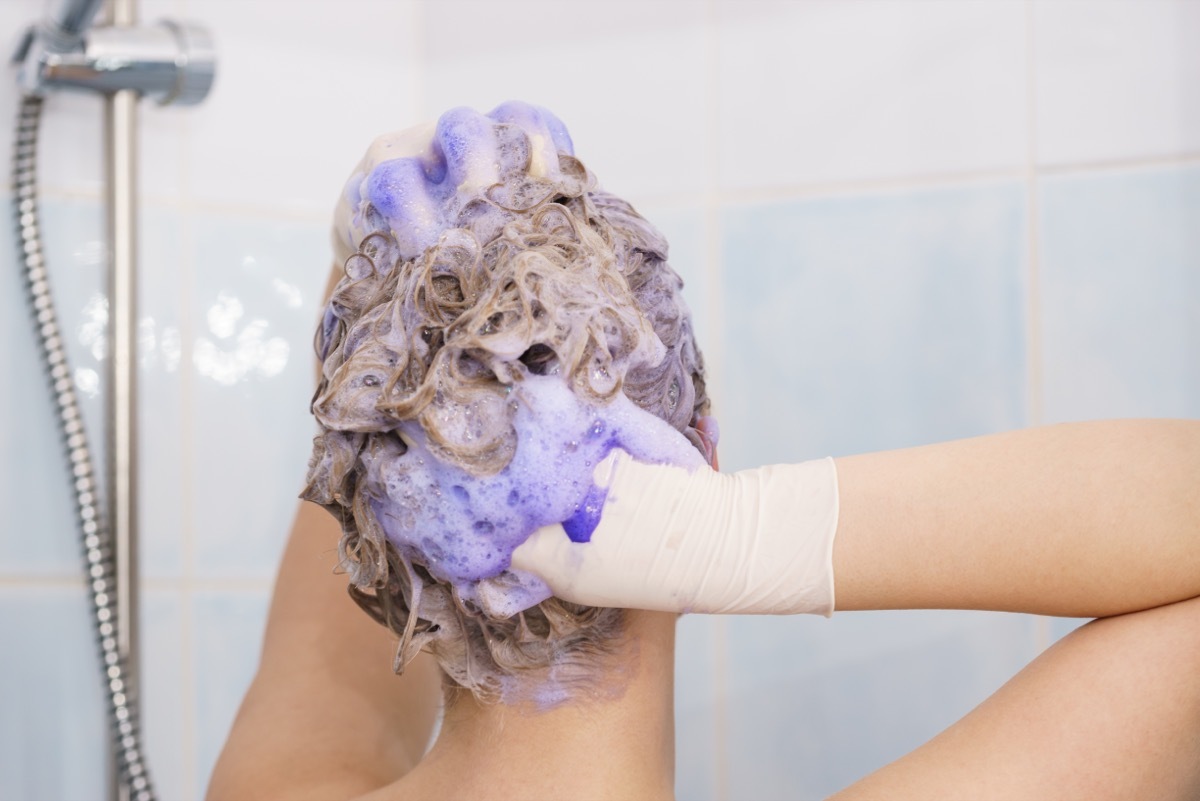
(417, 182)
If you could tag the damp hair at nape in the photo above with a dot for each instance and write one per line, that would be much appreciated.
(533, 272)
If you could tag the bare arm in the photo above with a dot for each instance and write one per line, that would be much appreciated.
(1084, 519)
(325, 716)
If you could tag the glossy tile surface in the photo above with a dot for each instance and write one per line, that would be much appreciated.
(227, 635)
(815, 704)
(818, 92)
(696, 706)
(167, 693)
(1121, 294)
(163, 491)
(40, 536)
(1118, 81)
(871, 322)
(53, 729)
(254, 307)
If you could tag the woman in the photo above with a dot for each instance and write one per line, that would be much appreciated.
(437, 333)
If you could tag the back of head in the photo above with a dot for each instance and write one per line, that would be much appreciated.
(502, 323)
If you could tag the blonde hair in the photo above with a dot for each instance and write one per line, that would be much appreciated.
(536, 276)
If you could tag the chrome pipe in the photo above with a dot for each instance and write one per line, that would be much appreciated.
(120, 145)
(120, 183)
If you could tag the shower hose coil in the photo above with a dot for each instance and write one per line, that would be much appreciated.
(99, 563)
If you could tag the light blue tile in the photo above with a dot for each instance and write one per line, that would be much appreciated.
(43, 540)
(161, 507)
(255, 297)
(53, 733)
(165, 698)
(1120, 278)
(871, 322)
(227, 632)
(815, 704)
(40, 536)
(696, 708)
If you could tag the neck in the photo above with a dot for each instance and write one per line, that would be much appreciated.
(616, 746)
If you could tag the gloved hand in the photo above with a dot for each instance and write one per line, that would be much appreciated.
(753, 542)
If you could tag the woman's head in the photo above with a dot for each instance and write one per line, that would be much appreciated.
(501, 324)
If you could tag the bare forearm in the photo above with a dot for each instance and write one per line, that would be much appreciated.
(1085, 519)
(325, 716)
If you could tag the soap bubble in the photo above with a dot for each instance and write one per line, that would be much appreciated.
(502, 324)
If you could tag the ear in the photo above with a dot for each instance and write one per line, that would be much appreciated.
(709, 433)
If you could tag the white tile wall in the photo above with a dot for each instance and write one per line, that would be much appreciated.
(820, 92)
(301, 91)
(1116, 80)
(697, 112)
(71, 159)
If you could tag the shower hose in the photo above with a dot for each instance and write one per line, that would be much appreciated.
(99, 562)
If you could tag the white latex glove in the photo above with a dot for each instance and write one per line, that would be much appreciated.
(754, 542)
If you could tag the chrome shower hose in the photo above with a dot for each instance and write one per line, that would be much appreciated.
(99, 562)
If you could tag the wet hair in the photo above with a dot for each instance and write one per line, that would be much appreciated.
(536, 275)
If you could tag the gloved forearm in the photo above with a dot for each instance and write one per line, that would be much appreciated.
(755, 542)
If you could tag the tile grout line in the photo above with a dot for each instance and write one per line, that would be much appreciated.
(155, 583)
(1033, 289)
(187, 678)
(188, 205)
(1185, 159)
(748, 195)
(713, 307)
(921, 183)
(60, 581)
(1034, 388)
(852, 187)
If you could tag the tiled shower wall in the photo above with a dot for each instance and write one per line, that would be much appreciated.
(899, 222)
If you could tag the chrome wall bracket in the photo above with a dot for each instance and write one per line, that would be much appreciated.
(168, 62)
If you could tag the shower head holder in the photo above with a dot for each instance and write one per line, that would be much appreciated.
(168, 62)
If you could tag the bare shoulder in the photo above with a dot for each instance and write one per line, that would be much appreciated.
(325, 717)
